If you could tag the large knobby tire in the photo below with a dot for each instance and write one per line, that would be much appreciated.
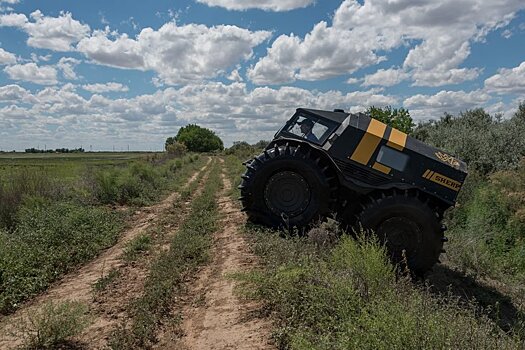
(408, 226)
(286, 186)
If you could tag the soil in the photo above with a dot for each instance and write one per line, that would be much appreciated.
(214, 316)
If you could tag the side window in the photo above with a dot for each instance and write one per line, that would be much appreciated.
(392, 158)
(319, 130)
(307, 128)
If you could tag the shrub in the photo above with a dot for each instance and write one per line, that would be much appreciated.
(197, 139)
(349, 297)
(50, 239)
(53, 326)
(489, 229)
(16, 186)
(176, 149)
(140, 183)
(487, 144)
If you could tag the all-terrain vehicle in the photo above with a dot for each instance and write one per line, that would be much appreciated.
(359, 170)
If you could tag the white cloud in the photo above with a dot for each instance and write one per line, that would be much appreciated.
(12, 2)
(179, 54)
(507, 33)
(13, 20)
(227, 108)
(507, 81)
(15, 93)
(325, 52)
(267, 5)
(106, 87)
(67, 65)
(447, 77)
(442, 32)
(6, 57)
(353, 80)
(235, 76)
(122, 52)
(386, 77)
(42, 75)
(53, 33)
(424, 107)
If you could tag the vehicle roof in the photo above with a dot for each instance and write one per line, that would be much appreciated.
(338, 117)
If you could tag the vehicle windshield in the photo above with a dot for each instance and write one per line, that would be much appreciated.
(310, 128)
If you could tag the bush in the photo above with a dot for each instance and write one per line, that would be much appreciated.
(348, 297)
(197, 139)
(176, 149)
(50, 239)
(16, 186)
(53, 326)
(489, 229)
(139, 183)
(487, 144)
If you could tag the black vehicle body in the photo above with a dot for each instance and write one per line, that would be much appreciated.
(369, 176)
(371, 156)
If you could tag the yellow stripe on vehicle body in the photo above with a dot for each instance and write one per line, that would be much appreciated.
(382, 168)
(368, 144)
(397, 139)
(445, 181)
(442, 180)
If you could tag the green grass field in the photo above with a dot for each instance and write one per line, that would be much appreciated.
(67, 165)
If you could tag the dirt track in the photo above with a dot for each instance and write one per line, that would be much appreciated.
(77, 286)
(214, 317)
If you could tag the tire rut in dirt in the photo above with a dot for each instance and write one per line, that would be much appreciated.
(215, 317)
(77, 286)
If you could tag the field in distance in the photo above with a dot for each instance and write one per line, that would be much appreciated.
(67, 165)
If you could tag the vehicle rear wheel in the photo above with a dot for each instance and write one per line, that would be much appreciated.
(286, 187)
(409, 228)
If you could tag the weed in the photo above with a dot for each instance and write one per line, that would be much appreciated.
(136, 247)
(50, 239)
(347, 295)
(53, 326)
(103, 282)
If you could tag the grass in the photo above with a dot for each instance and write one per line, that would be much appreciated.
(137, 246)
(138, 184)
(68, 166)
(50, 239)
(53, 326)
(103, 282)
(46, 230)
(488, 231)
(349, 297)
(188, 249)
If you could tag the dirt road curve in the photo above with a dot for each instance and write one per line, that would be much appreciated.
(215, 318)
(77, 286)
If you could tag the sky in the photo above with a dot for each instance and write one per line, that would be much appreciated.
(115, 74)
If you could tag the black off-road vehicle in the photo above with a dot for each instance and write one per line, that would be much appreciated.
(363, 172)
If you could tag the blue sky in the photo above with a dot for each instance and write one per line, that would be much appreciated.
(118, 73)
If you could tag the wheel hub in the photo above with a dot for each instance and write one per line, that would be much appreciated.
(288, 193)
(400, 234)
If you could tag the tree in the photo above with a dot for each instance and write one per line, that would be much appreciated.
(176, 149)
(198, 139)
(169, 141)
(394, 117)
